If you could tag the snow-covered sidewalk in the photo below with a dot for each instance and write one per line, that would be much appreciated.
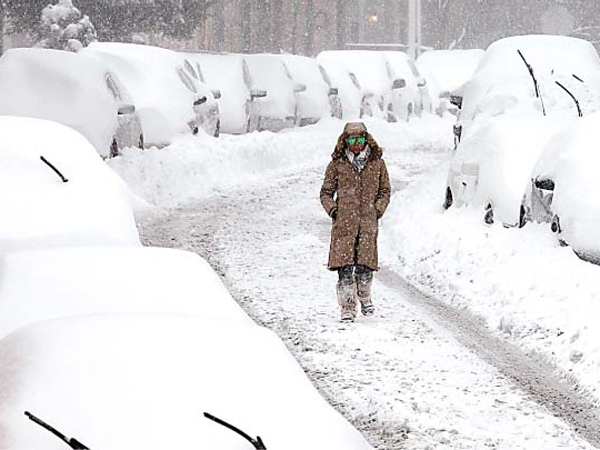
(401, 377)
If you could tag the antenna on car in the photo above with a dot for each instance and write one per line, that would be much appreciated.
(257, 443)
(572, 96)
(535, 82)
(71, 442)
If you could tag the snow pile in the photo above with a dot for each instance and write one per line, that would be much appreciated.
(270, 74)
(163, 100)
(63, 27)
(314, 102)
(105, 280)
(571, 160)
(62, 87)
(145, 380)
(502, 81)
(450, 69)
(228, 74)
(521, 281)
(39, 209)
(197, 167)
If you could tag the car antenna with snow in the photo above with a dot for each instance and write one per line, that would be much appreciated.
(71, 442)
(535, 82)
(257, 443)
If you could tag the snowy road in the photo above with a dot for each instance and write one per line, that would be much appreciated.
(405, 378)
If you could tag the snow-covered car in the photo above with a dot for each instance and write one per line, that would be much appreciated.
(563, 188)
(448, 71)
(533, 75)
(55, 190)
(354, 99)
(279, 109)
(414, 98)
(321, 98)
(230, 74)
(169, 100)
(115, 279)
(491, 167)
(72, 89)
(376, 74)
(128, 381)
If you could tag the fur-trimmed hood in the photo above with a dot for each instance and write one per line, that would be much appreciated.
(356, 129)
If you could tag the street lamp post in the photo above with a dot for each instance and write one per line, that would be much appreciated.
(414, 28)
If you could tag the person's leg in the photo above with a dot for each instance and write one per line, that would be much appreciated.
(364, 279)
(345, 294)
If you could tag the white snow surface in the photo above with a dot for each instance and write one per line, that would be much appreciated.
(61, 86)
(350, 95)
(528, 288)
(571, 160)
(94, 208)
(143, 381)
(52, 283)
(451, 69)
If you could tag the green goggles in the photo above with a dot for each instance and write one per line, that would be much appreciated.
(352, 140)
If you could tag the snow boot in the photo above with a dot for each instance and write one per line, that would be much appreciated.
(345, 294)
(363, 292)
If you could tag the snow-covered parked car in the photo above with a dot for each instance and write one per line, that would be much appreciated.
(491, 167)
(115, 279)
(414, 98)
(169, 100)
(75, 90)
(354, 99)
(448, 71)
(55, 190)
(321, 98)
(279, 109)
(533, 75)
(230, 74)
(376, 74)
(129, 381)
(563, 188)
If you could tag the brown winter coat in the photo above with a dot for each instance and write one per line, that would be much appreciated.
(361, 198)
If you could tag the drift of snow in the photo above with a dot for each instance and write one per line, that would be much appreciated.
(46, 284)
(40, 210)
(145, 380)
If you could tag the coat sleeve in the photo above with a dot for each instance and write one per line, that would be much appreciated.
(329, 188)
(383, 195)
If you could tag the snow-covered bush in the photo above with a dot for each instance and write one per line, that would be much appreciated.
(63, 27)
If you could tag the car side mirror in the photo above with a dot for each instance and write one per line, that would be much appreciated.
(258, 93)
(398, 83)
(444, 94)
(369, 94)
(544, 183)
(421, 82)
(333, 91)
(456, 100)
(200, 101)
(126, 109)
(216, 93)
(299, 87)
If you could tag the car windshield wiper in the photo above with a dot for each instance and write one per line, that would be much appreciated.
(257, 443)
(71, 442)
(572, 96)
(535, 82)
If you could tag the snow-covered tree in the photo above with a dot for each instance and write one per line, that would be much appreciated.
(63, 27)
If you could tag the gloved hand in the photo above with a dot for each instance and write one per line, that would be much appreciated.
(333, 213)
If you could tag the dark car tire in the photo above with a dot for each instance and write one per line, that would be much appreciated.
(141, 141)
(488, 217)
(522, 216)
(449, 200)
(114, 148)
(409, 111)
(218, 129)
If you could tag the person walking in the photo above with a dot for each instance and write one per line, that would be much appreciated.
(355, 194)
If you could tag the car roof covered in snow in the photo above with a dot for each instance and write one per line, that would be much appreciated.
(450, 68)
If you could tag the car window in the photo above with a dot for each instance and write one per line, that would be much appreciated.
(388, 69)
(413, 68)
(325, 75)
(186, 80)
(200, 74)
(354, 80)
(246, 74)
(287, 71)
(188, 66)
(112, 87)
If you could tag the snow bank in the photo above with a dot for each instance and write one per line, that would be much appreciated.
(197, 167)
(526, 286)
(144, 381)
(39, 210)
(60, 86)
(46, 284)
(572, 160)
